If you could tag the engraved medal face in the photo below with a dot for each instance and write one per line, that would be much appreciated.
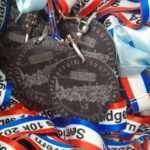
(29, 70)
(15, 32)
(95, 43)
(3, 58)
(83, 90)
(6, 57)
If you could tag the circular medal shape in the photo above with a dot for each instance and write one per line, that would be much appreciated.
(95, 43)
(83, 90)
(4, 12)
(29, 70)
(15, 31)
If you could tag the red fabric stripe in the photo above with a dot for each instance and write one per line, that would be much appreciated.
(137, 147)
(146, 144)
(125, 83)
(90, 8)
(12, 143)
(106, 5)
(63, 7)
(112, 9)
(59, 139)
(118, 105)
(136, 119)
(83, 144)
(126, 21)
(40, 131)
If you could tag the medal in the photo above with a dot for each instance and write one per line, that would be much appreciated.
(95, 43)
(30, 68)
(83, 90)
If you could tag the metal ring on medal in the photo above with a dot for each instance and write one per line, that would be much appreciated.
(97, 42)
(83, 90)
(31, 67)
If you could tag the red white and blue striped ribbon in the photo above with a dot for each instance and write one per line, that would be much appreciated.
(137, 89)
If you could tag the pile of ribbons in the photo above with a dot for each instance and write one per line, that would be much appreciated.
(127, 122)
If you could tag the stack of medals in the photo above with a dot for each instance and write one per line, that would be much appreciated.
(72, 72)
(61, 61)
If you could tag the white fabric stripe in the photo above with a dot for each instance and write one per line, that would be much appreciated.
(45, 145)
(115, 118)
(128, 4)
(145, 113)
(131, 127)
(22, 127)
(11, 118)
(70, 3)
(125, 147)
(137, 85)
(143, 102)
(148, 144)
(96, 140)
(114, 22)
(2, 92)
(4, 145)
(86, 5)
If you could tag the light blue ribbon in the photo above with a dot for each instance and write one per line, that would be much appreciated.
(27, 6)
(133, 48)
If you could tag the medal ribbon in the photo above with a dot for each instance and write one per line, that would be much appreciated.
(133, 62)
(65, 6)
(132, 13)
(52, 23)
(74, 133)
(9, 144)
(5, 90)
